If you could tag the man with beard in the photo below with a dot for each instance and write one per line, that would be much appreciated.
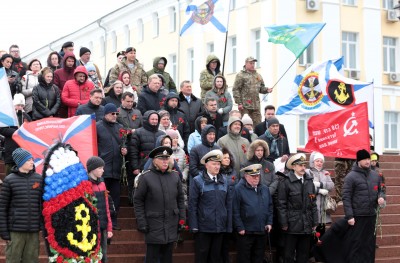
(158, 215)
(18, 65)
(297, 210)
(363, 191)
(93, 106)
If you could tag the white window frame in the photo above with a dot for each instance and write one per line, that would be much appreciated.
(308, 55)
(113, 41)
(350, 46)
(173, 66)
(127, 33)
(388, 4)
(232, 4)
(140, 30)
(389, 54)
(256, 42)
(391, 138)
(190, 62)
(349, 2)
(210, 47)
(102, 50)
(156, 25)
(172, 19)
(303, 129)
(232, 40)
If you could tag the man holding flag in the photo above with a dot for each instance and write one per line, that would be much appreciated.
(246, 89)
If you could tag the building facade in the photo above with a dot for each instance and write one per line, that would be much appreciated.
(365, 32)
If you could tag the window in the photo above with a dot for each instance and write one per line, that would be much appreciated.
(389, 54)
(140, 32)
(233, 4)
(190, 55)
(349, 2)
(391, 130)
(232, 52)
(155, 25)
(308, 55)
(113, 41)
(173, 67)
(210, 47)
(349, 49)
(127, 34)
(303, 129)
(102, 47)
(388, 4)
(172, 19)
(256, 36)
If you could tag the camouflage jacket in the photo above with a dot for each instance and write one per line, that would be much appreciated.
(246, 89)
(138, 75)
(206, 76)
(169, 82)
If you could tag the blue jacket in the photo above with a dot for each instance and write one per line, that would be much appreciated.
(252, 210)
(210, 204)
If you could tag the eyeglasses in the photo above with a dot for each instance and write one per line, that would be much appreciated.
(114, 113)
(14, 51)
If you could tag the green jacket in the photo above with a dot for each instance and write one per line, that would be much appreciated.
(138, 75)
(207, 76)
(246, 89)
(169, 83)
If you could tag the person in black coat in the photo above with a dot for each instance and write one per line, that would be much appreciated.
(110, 148)
(114, 94)
(20, 209)
(93, 105)
(151, 97)
(177, 117)
(159, 206)
(189, 104)
(261, 128)
(144, 140)
(46, 96)
(9, 144)
(297, 210)
(278, 144)
(210, 112)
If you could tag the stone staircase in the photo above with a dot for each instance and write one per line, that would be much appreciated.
(128, 244)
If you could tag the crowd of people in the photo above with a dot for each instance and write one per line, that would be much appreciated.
(230, 174)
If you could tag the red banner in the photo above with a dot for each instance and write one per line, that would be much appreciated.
(340, 133)
(38, 136)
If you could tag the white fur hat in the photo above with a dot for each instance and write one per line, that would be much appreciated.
(19, 99)
(247, 120)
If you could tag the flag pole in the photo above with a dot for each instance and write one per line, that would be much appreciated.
(226, 38)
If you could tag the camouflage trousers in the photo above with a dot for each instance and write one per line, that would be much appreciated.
(342, 168)
(255, 115)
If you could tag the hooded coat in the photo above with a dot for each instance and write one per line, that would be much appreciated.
(143, 141)
(46, 99)
(268, 176)
(198, 151)
(169, 83)
(207, 76)
(75, 93)
(191, 109)
(236, 144)
(224, 98)
(326, 183)
(195, 137)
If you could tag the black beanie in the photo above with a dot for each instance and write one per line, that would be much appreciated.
(273, 120)
(363, 154)
(84, 50)
(93, 163)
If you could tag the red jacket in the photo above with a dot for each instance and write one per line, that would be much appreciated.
(74, 93)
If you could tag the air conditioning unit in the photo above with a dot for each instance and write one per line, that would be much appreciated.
(312, 5)
(394, 77)
(354, 74)
(392, 16)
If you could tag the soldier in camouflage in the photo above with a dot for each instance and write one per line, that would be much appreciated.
(248, 85)
(342, 168)
(207, 75)
(131, 64)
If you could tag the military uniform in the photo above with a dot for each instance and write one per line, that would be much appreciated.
(342, 168)
(246, 89)
(138, 75)
(207, 76)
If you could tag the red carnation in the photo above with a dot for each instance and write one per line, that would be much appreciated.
(317, 234)
(181, 222)
(233, 178)
(87, 260)
(186, 227)
(59, 259)
(375, 188)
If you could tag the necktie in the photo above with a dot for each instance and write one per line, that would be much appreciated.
(188, 99)
(301, 179)
(215, 179)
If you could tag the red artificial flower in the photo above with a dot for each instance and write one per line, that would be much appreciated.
(60, 259)
(181, 222)
(382, 185)
(35, 185)
(162, 102)
(317, 234)
(134, 116)
(141, 154)
(243, 132)
(266, 170)
(186, 227)
(244, 148)
(223, 99)
(181, 121)
(249, 101)
(87, 260)
(174, 127)
(312, 196)
(187, 159)
(375, 188)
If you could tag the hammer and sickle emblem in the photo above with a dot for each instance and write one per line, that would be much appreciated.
(82, 214)
(353, 124)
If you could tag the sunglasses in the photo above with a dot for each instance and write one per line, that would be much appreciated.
(114, 113)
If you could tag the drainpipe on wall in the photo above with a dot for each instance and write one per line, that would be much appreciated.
(104, 48)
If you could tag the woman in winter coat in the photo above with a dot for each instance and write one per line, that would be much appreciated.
(114, 94)
(54, 61)
(46, 96)
(323, 185)
(195, 137)
(227, 167)
(29, 81)
(224, 98)
(166, 125)
(125, 78)
(257, 153)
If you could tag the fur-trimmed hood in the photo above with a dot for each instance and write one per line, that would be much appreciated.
(253, 146)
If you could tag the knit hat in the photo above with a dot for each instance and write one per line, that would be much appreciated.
(172, 133)
(211, 129)
(90, 67)
(19, 99)
(363, 154)
(247, 120)
(163, 113)
(109, 108)
(273, 120)
(84, 50)
(21, 156)
(93, 163)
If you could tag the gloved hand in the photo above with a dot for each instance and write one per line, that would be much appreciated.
(323, 191)
(143, 229)
(220, 110)
(317, 184)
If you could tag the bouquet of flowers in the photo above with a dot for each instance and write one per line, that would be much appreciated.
(123, 134)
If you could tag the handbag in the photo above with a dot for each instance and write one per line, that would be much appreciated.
(330, 205)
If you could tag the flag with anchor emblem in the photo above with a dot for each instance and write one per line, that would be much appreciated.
(339, 134)
(322, 88)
